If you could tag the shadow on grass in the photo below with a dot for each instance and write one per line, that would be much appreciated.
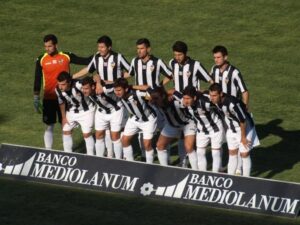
(278, 157)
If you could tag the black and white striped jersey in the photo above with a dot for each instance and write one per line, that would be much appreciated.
(175, 113)
(204, 114)
(231, 80)
(148, 73)
(111, 68)
(188, 74)
(74, 99)
(138, 106)
(234, 112)
(107, 102)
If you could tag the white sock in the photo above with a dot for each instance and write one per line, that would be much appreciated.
(89, 144)
(109, 144)
(48, 136)
(193, 160)
(150, 156)
(217, 159)
(67, 143)
(162, 157)
(117, 146)
(182, 153)
(128, 153)
(232, 164)
(202, 162)
(100, 147)
(247, 166)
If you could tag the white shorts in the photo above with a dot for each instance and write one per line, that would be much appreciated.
(215, 138)
(84, 118)
(148, 128)
(175, 132)
(234, 141)
(112, 121)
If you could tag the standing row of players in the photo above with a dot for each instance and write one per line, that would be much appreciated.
(183, 109)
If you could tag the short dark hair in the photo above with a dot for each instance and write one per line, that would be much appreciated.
(121, 82)
(158, 90)
(215, 87)
(220, 48)
(64, 76)
(87, 80)
(180, 46)
(190, 91)
(50, 37)
(144, 41)
(106, 40)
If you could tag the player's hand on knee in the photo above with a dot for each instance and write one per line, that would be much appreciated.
(246, 143)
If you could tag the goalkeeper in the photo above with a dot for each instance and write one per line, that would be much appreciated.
(48, 66)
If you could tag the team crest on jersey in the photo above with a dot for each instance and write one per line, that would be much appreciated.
(135, 102)
(152, 67)
(188, 73)
(180, 73)
(226, 80)
(61, 61)
(113, 64)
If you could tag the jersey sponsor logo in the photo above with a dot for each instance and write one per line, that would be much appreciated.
(180, 73)
(226, 80)
(54, 61)
(144, 67)
(105, 64)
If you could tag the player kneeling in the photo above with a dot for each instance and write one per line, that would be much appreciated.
(75, 109)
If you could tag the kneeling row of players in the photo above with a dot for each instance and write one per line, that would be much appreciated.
(202, 118)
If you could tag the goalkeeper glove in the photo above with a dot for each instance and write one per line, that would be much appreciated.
(37, 103)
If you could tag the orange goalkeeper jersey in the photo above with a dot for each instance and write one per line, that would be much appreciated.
(48, 67)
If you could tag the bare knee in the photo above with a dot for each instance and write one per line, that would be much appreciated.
(244, 154)
(100, 134)
(126, 140)
(147, 144)
(115, 136)
(86, 135)
(233, 152)
(67, 132)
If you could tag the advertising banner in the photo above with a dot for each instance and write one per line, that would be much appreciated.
(140, 179)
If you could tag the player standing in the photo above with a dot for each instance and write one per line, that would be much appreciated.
(109, 66)
(240, 135)
(48, 66)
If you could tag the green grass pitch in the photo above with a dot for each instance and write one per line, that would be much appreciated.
(263, 42)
